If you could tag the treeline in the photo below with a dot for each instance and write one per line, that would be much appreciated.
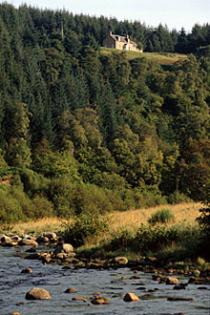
(37, 26)
(80, 131)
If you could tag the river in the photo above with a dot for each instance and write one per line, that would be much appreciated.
(110, 283)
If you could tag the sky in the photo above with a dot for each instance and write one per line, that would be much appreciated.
(173, 13)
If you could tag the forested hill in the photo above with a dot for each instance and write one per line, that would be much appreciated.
(35, 26)
(82, 131)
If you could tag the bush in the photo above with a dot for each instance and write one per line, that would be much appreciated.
(155, 238)
(90, 199)
(23, 200)
(174, 241)
(86, 225)
(70, 199)
(10, 209)
(33, 182)
(42, 207)
(178, 197)
(122, 240)
(60, 192)
(161, 216)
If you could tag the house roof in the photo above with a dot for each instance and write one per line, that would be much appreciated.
(120, 38)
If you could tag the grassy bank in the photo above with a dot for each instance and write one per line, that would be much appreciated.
(167, 232)
(160, 58)
(118, 220)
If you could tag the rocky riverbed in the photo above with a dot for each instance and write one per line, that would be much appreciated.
(78, 285)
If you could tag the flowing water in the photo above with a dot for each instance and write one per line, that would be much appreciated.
(110, 283)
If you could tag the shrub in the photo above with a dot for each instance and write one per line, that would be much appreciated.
(23, 200)
(143, 198)
(70, 199)
(60, 192)
(165, 241)
(42, 207)
(33, 182)
(161, 216)
(85, 225)
(122, 240)
(178, 197)
(155, 238)
(90, 199)
(10, 209)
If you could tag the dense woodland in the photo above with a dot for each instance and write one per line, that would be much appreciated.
(80, 131)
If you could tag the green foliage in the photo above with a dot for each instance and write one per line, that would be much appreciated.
(70, 198)
(15, 205)
(91, 199)
(122, 240)
(33, 182)
(10, 209)
(85, 225)
(178, 197)
(42, 207)
(95, 131)
(18, 152)
(170, 242)
(155, 238)
(161, 216)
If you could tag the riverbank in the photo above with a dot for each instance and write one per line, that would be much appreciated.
(127, 233)
(186, 213)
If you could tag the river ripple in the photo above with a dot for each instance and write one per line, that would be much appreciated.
(110, 283)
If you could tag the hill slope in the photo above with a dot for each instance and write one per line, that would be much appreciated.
(159, 58)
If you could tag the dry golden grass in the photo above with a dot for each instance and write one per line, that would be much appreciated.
(118, 220)
(131, 220)
(45, 224)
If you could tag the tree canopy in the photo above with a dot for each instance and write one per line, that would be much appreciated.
(71, 117)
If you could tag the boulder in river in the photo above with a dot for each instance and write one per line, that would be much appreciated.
(46, 258)
(38, 294)
(70, 290)
(42, 239)
(27, 270)
(79, 298)
(7, 241)
(99, 300)
(130, 297)
(28, 242)
(16, 238)
(51, 236)
(67, 248)
(196, 273)
(121, 260)
(172, 280)
(61, 256)
(64, 248)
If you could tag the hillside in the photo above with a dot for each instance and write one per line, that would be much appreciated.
(159, 58)
(90, 131)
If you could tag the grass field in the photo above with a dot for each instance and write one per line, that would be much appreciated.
(185, 213)
(160, 58)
